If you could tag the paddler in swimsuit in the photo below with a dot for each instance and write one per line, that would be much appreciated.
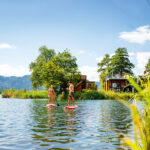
(50, 94)
(71, 93)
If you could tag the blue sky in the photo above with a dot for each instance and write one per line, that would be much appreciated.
(89, 28)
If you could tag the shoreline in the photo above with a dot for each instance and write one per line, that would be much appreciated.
(86, 95)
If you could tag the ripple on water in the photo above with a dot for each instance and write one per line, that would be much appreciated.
(95, 124)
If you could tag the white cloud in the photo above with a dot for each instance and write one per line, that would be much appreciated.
(5, 45)
(91, 72)
(136, 72)
(132, 54)
(98, 59)
(140, 35)
(8, 70)
(142, 59)
(81, 52)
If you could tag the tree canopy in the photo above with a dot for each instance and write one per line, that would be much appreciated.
(147, 67)
(104, 68)
(104, 65)
(51, 68)
(119, 63)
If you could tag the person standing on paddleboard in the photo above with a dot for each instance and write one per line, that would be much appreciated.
(71, 93)
(50, 94)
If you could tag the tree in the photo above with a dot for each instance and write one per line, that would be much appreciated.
(147, 67)
(104, 65)
(120, 63)
(36, 67)
(104, 69)
(60, 70)
(54, 69)
(102, 77)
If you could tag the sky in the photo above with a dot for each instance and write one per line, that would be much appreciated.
(88, 28)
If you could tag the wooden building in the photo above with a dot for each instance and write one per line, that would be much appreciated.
(118, 84)
(83, 83)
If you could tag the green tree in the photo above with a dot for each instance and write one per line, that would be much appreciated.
(120, 63)
(104, 69)
(102, 77)
(104, 64)
(54, 69)
(36, 67)
(60, 70)
(147, 67)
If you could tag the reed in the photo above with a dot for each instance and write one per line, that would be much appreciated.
(12, 93)
(141, 121)
(117, 95)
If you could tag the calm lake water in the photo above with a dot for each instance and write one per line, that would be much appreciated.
(94, 125)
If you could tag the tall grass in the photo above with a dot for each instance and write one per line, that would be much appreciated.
(84, 95)
(89, 95)
(12, 93)
(141, 121)
(117, 95)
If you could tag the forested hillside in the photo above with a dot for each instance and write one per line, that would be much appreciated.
(19, 83)
(15, 82)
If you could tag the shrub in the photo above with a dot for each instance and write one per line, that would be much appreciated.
(88, 94)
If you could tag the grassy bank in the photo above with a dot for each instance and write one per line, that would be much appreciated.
(86, 94)
(118, 95)
(12, 93)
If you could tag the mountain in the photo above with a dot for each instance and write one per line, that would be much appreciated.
(98, 85)
(15, 82)
(21, 83)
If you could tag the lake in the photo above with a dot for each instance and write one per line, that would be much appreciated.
(94, 125)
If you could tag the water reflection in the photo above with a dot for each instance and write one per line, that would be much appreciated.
(117, 116)
(93, 125)
(70, 123)
(117, 120)
(53, 126)
(51, 116)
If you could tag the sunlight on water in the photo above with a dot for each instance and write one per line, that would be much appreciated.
(95, 124)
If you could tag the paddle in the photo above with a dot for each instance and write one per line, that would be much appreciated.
(57, 103)
(56, 100)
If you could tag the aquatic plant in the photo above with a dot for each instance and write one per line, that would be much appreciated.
(141, 120)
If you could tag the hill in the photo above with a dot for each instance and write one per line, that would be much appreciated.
(98, 85)
(20, 83)
(15, 82)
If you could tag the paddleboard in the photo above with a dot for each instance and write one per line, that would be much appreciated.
(71, 107)
(50, 105)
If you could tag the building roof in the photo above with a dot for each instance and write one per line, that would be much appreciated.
(116, 79)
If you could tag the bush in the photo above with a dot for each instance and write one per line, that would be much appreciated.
(118, 95)
(88, 94)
